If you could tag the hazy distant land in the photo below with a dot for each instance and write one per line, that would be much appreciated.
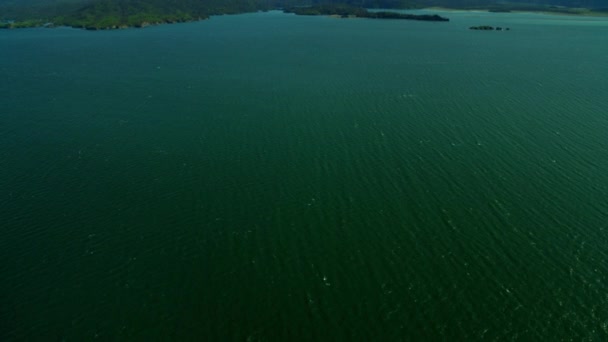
(519, 8)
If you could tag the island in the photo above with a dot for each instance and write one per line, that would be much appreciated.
(488, 28)
(346, 11)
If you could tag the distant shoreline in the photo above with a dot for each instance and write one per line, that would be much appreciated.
(575, 12)
(103, 23)
(346, 11)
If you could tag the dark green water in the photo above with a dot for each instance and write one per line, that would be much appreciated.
(272, 177)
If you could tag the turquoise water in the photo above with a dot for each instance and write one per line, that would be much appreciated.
(273, 177)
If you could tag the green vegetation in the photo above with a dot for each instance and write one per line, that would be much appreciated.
(21, 24)
(109, 14)
(102, 14)
(346, 11)
(329, 9)
(27, 23)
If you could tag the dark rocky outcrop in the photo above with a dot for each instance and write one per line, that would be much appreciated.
(482, 27)
(488, 28)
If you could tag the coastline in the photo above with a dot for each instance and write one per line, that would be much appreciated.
(574, 12)
(102, 23)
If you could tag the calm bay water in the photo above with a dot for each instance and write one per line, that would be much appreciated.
(273, 177)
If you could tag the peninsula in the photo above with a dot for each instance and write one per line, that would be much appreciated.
(346, 11)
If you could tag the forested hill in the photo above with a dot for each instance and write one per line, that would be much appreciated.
(95, 14)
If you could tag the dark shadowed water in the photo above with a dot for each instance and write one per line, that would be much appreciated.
(273, 177)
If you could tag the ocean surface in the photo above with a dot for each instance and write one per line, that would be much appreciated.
(272, 177)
